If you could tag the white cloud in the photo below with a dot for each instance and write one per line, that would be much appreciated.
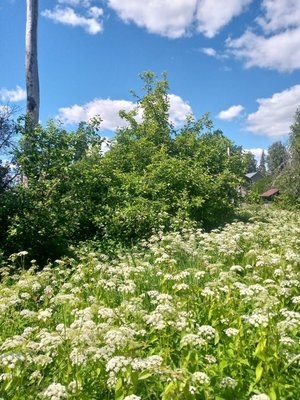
(257, 152)
(66, 15)
(171, 18)
(280, 52)
(212, 16)
(176, 18)
(95, 12)
(76, 3)
(279, 14)
(277, 46)
(179, 110)
(109, 109)
(209, 51)
(275, 114)
(12, 95)
(231, 113)
(272, 41)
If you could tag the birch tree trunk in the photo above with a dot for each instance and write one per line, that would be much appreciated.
(31, 62)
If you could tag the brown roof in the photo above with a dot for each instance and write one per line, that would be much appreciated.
(270, 192)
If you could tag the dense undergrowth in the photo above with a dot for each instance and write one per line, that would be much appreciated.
(189, 315)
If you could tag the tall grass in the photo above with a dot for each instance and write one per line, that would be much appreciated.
(187, 315)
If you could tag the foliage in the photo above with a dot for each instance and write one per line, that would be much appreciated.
(294, 138)
(250, 162)
(43, 221)
(8, 132)
(186, 172)
(186, 315)
(288, 180)
(8, 128)
(277, 158)
(262, 164)
(152, 176)
(257, 188)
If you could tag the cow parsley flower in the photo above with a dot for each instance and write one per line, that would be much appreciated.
(231, 332)
(207, 332)
(228, 383)
(201, 377)
(261, 396)
(55, 391)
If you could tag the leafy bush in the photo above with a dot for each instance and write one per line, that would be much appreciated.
(151, 176)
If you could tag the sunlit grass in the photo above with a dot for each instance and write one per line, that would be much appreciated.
(187, 315)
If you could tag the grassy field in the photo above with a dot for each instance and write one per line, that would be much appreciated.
(187, 315)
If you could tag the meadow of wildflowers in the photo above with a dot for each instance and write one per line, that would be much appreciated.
(187, 315)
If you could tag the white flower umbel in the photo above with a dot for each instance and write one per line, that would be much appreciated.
(55, 391)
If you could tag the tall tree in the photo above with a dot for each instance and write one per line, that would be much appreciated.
(31, 62)
(262, 164)
(294, 139)
(277, 158)
(250, 162)
(289, 182)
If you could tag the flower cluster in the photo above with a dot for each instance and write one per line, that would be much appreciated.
(184, 314)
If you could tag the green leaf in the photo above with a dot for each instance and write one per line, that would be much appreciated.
(170, 388)
(217, 338)
(260, 346)
(258, 372)
(118, 390)
(272, 394)
(144, 375)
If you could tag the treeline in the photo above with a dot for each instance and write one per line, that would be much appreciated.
(280, 168)
(153, 177)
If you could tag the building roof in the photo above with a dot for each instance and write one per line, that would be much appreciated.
(252, 174)
(270, 192)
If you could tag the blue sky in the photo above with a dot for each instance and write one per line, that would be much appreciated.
(239, 60)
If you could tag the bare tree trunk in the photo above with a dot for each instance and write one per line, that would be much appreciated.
(31, 63)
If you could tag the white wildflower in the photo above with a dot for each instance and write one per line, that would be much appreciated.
(257, 319)
(35, 376)
(210, 359)
(6, 376)
(261, 396)
(74, 387)
(228, 382)
(27, 313)
(201, 377)
(231, 332)
(192, 339)
(207, 332)
(44, 315)
(77, 357)
(25, 295)
(199, 274)
(48, 291)
(55, 391)
(180, 286)
(207, 292)
(236, 268)
(296, 300)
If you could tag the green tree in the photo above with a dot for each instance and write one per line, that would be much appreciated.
(46, 212)
(153, 177)
(277, 158)
(192, 172)
(250, 162)
(262, 164)
(288, 181)
(294, 138)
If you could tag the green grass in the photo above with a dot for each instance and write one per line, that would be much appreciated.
(187, 315)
